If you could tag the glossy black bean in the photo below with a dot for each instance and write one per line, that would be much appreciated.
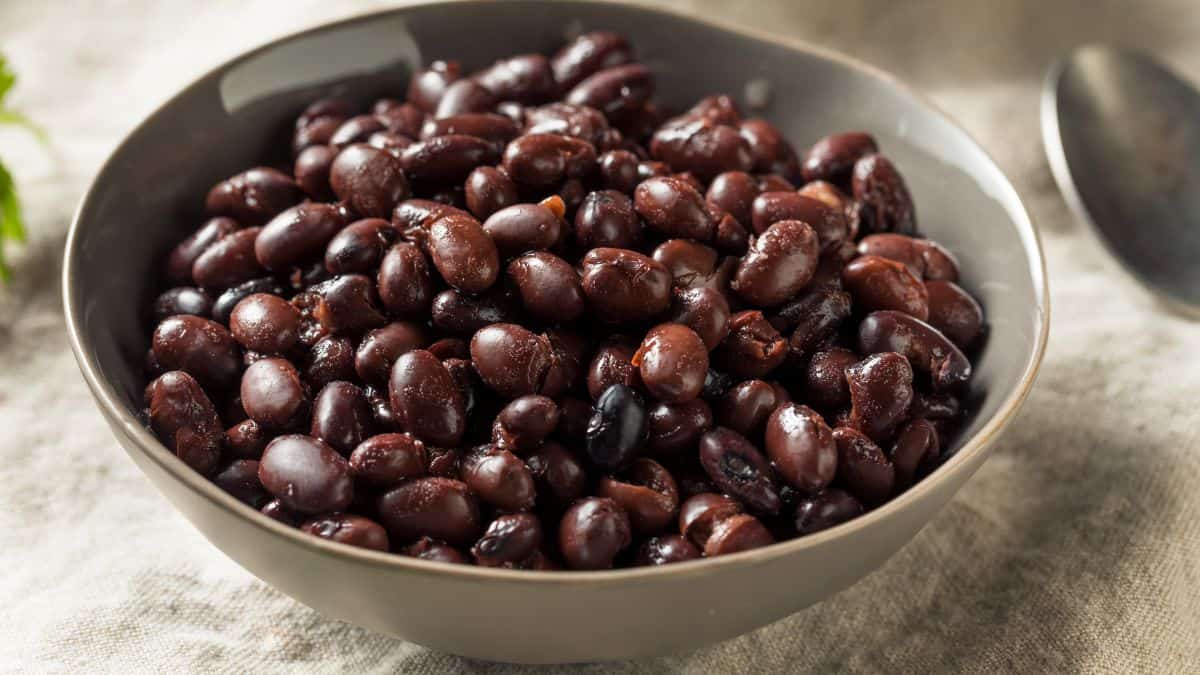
(228, 261)
(306, 475)
(182, 300)
(618, 428)
(559, 477)
(824, 510)
(832, 158)
(880, 283)
(546, 160)
(863, 469)
(753, 347)
(524, 423)
(740, 470)
(359, 247)
(509, 540)
(886, 203)
(526, 78)
(672, 361)
(464, 96)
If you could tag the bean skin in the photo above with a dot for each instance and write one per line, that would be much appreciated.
(358, 248)
(178, 270)
(381, 347)
(753, 347)
(346, 304)
(546, 160)
(675, 428)
(306, 475)
(825, 379)
(914, 451)
(739, 469)
(426, 399)
(370, 180)
(617, 429)
(746, 406)
(674, 208)
(426, 87)
(802, 447)
(824, 510)
(705, 311)
(297, 235)
(229, 261)
(526, 78)
(342, 416)
(879, 283)
(607, 218)
(463, 253)
(240, 479)
(832, 158)
(815, 317)
(386, 460)
(440, 508)
(735, 534)
(426, 548)
(781, 261)
(273, 394)
(265, 323)
(182, 300)
(524, 423)
(464, 96)
(347, 528)
(558, 476)
(202, 348)
(625, 286)
(772, 152)
(926, 348)
(619, 171)
(355, 130)
(446, 159)
(405, 282)
(880, 394)
(185, 420)
(330, 359)
(498, 130)
(612, 364)
(499, 478)
(488, 190)
(887, 205)
(701, 146)
(863, 469)
(587, 54)
(592, 533)
(699, 514)
(734, 192)
(509, 540)
(245, 440)
(461, 314)
(253, 197)
(647, 492)
(523, 227)
(673, 361)
(954, 312)
(928, 260)
(615, 91)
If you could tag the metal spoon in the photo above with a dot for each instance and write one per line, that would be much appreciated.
(1122, 133)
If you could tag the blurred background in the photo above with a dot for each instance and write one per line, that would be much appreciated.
(1076, 541)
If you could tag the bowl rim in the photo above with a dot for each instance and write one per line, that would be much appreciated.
(123, 421)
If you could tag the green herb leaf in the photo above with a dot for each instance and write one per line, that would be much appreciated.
(17, 119)
(11, 226)
(7, 77)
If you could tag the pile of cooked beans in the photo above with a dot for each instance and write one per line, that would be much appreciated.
(524, 318)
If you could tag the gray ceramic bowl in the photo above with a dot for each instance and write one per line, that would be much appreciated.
(149, 195)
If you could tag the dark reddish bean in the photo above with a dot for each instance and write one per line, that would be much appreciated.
(240, 479)
(348, 528)
(664, 550)
(592, 533)
(488, 190)
(737, 468)
(577, 121)
(928, 260)
(226, 301)
(652, 169)
(347, 304)
(824, 510)
(832, 158)
(781, 261)
(499, 478)
(691, 265)
(546, 160)
(202, 348)
(441, 508)
(387, 460)
(402, 119)
(606, 218)
(886, 203)
(498, 130)
(265, 323)
(827, 193)
(273, 394)
(705, 311)
(381, 408)
(229, 261)
(954, 312)
(185, 420)
(923, 345)
(880, 394)
(587, 54)
(342, 416)
(467, 380)
(381, 347)
(815, 317)
(825, 383)
(729, 236)
(426, 399)
(358, 247)
(617, 429)
(619, 171)
(558, 476)
(830, 266)
(523, 227)
(426, 548)
(462, 314)
(443, 462)
(463, 253)
(178, 269)
(734, 192)
(753, 347)
(699, 514)
(675, 428)
(413, 217)
(306, 475)
(673, 361)
(772, 152)
(701, 146)
(509, 540)
(879, 283)
(513, 361)
(253, 197)
(426, 87)
(863, 469)
(746, 407)
(370, 180)
(356, 130)
(735, 534)
(330, 359)
(612, 364)
(312, 171)
(464, 96)
(182, 300)
(446, 159)
(674, 208)
(771, 182)
(574, 414)
(914, 452)
(330, 106)
(245, 440)
(391, 143)
(525, 78)
(524, 423)
(615, 91)
(719, 108)
(801, 447)
(625, 286)
(405, 282)
(936, 407)
(316, 132)
(647, 492)
(297, 235)
(275, 510)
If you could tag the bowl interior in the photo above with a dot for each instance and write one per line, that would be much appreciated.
(150, 194)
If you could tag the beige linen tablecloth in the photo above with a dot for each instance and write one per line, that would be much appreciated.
(1075, 548)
